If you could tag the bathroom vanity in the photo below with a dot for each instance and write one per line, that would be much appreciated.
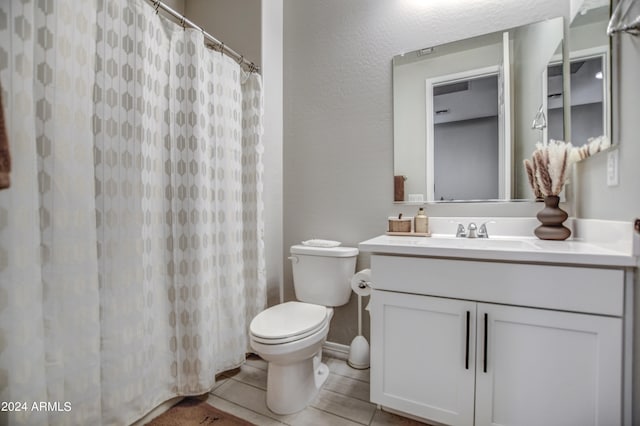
(508, 331)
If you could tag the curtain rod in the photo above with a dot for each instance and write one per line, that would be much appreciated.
(216, 44)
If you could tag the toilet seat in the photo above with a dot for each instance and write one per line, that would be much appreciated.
(288, 322)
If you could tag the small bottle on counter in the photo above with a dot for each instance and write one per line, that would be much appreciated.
(421, 222)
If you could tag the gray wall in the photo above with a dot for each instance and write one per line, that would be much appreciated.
(177, 5)
(272, 57)
(338, 131)
(236, 23)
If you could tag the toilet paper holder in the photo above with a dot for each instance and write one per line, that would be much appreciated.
(359, 349)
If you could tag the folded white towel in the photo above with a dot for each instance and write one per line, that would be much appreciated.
(321, 243)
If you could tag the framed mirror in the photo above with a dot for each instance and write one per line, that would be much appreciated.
(590, 74)
(589, 118)
(464, 111)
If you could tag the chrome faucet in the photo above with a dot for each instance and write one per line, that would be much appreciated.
(472, 230)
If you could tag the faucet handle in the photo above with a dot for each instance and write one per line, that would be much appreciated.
(483, 233)
(461, 232)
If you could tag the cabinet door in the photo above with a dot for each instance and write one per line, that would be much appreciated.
(423, 356)
(547, 368)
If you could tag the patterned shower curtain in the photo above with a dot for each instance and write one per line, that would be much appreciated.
(131, 254)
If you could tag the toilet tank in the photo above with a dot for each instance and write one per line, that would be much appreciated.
(322, 275)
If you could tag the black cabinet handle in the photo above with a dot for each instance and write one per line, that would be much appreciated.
(466, 357)
(486, 335)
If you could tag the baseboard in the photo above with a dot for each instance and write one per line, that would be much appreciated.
(336, 350)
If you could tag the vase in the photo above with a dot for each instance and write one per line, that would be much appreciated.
(552, 217)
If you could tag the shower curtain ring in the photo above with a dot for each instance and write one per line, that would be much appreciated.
(182, 23)
(221, 48)
(157, 6)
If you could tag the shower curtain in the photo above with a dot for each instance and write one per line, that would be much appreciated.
(131, 253)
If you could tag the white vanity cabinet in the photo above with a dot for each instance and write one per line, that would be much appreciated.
(463, 342)
(547, 367)
(418, 356)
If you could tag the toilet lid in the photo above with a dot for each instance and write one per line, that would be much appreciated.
(288, 320)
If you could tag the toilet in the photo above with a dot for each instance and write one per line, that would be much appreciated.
(289, 336)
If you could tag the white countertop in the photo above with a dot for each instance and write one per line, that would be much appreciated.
(510, 249)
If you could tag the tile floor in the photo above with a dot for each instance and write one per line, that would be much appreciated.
(343, 400)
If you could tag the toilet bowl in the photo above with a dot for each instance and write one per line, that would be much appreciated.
(289, 336)
(295, 372)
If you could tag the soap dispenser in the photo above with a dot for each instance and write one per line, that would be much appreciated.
(421, 222)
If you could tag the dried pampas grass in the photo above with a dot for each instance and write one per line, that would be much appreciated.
(592, 146)
(549, 168)
(530, 167)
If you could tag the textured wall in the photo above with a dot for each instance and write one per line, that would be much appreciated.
(338, 130)
(273, 121)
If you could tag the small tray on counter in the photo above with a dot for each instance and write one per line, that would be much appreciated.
(410, 234)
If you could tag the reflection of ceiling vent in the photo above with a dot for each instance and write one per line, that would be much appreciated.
(450, 88)
(555, 70)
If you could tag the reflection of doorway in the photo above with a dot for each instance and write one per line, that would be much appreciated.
(463, 123)
(587, 100)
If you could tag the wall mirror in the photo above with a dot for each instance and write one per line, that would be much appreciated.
(463, 111)
(589, 72)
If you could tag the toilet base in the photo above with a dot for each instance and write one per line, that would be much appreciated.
(291, 387)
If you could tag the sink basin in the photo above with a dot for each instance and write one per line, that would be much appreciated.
(495, 243)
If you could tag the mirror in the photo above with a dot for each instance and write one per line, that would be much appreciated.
(459, 106)
(590, 73)
(463, 111)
